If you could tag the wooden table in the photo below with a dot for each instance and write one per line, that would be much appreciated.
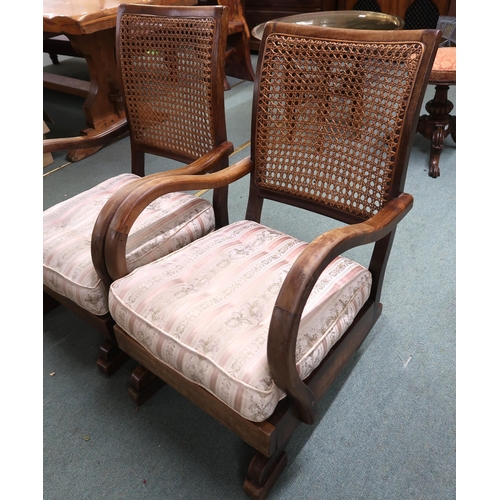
(90, 26)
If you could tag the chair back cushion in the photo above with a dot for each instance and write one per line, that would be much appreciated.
(205, 311)
(167, 224)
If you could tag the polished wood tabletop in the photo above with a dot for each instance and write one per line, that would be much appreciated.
(79, 17)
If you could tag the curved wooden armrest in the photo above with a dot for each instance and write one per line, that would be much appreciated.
(86, 141)
(202, 165)
(298, 285)
(109, 238)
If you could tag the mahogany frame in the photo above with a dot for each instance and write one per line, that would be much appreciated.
(269, 438)
(111, 357)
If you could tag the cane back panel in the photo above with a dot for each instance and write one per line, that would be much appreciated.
(166, 66)
(330, 117)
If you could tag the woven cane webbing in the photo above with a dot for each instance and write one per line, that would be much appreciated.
(329, 119)
(166, 70)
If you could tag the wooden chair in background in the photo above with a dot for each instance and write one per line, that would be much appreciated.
(238, 62)
(171, 62)
(252, 324)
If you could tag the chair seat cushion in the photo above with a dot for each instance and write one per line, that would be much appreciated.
(205, 311)
(167, 224)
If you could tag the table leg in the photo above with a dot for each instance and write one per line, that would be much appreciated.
(437, 125)
(103, 105)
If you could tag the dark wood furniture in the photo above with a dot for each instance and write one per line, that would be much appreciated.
(324, 142)
(260, 11)
(174, 105)
(439, 123)
(417, 14)
(238, 62)
(90, 27)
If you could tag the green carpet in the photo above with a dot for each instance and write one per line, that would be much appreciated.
(386, 429)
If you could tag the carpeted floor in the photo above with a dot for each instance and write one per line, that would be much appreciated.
(387, 427)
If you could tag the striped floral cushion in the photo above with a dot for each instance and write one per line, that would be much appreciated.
(169, 223)
(205, 311)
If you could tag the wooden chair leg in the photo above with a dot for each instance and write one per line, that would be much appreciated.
(111, 357)
(143, 385)
(437, 125)
(263, 474)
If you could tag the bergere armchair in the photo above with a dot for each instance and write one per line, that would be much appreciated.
(171, 61)
(252, 324)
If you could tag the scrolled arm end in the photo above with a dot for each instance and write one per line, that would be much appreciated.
(123, 208)
(281, 358)
(297, 286)
(86, 141)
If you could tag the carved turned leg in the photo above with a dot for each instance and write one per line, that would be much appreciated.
(143, 385)
(263, 473)
(111, 357)
(437, 125)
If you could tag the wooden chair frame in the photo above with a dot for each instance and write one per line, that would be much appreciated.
(111, 358)
(238, 62)
(269, 438)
